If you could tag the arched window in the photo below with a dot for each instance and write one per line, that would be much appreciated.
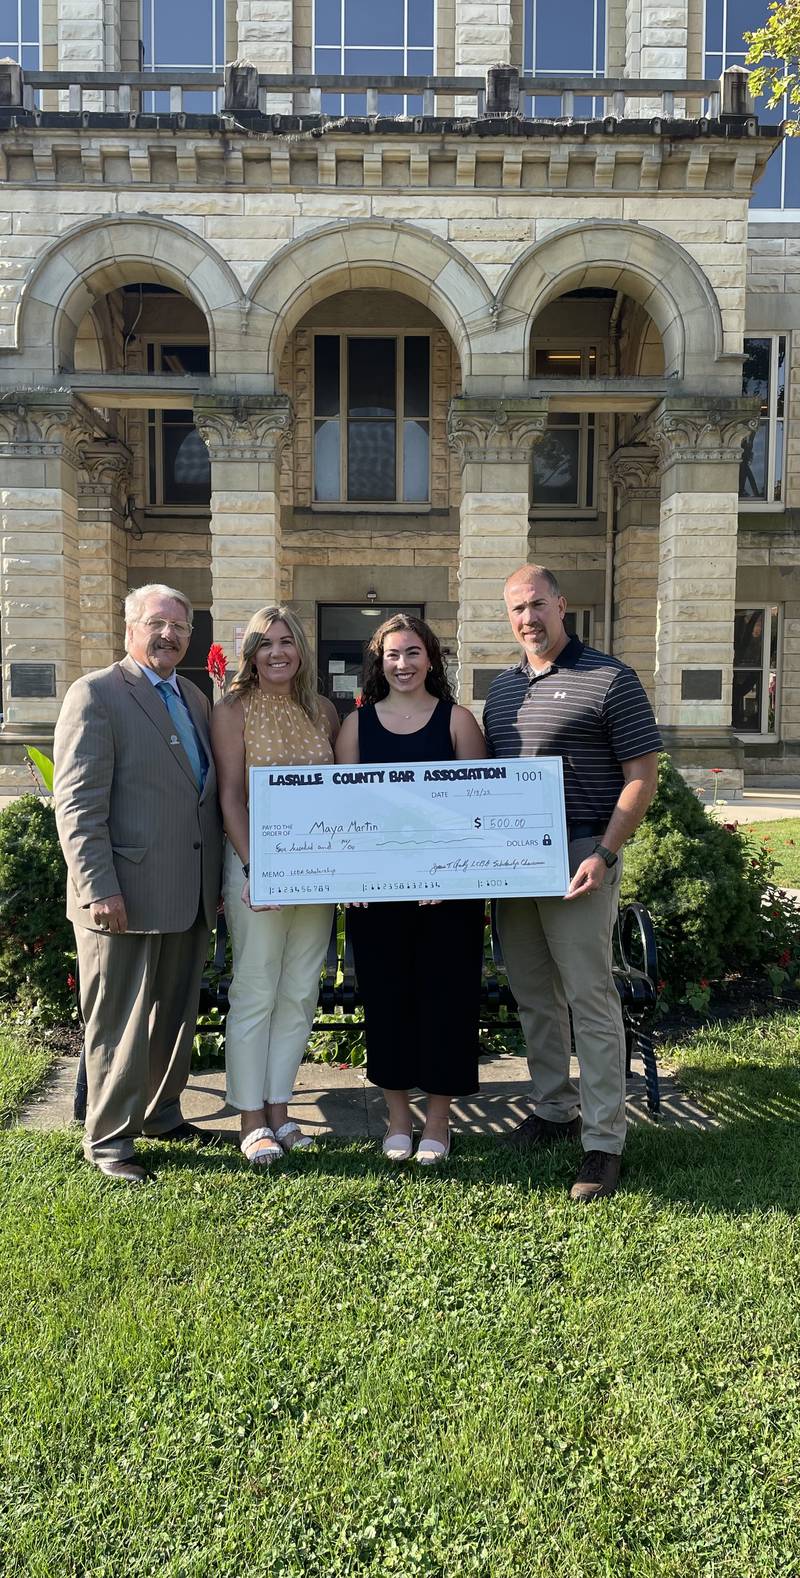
(395, 38)
(20, 32)
(188, 34)
(726, 22)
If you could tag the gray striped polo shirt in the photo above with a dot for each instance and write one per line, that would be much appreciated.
(587, 708)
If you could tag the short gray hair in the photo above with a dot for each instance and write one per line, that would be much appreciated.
(135, 601)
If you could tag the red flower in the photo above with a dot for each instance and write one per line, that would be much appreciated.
(784, 958)
(217, 664)
(661, 985)
(359, 700)
(703, 981)
(716, 769)
(71, 983)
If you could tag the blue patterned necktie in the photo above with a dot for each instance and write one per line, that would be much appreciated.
(185, 730)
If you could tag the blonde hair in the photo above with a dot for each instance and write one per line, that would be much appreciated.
(304, 691)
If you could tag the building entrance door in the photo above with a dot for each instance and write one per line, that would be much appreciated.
(344, 630)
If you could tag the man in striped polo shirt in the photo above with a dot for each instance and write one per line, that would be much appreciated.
(565, 699)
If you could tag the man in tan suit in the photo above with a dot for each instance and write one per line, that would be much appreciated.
(139, 823)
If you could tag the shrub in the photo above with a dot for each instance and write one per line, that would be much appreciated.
(37, 946)
(708, 890)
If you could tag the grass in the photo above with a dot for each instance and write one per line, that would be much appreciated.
(783, 838)
(23, 1065)
(340, 1369)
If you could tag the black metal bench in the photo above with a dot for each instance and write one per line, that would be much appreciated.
(636, 982)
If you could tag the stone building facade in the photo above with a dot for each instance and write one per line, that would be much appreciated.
(265, 342)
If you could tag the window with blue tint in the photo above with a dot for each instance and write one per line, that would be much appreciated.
(726, 23)
(565, 40)
(187, 34)
(358, 37)
(19, 32)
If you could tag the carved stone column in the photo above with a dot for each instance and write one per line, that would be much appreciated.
(493, 441)
(103, 485)
(635, 476)
(699, 444)
(245, 439)
(42, 435)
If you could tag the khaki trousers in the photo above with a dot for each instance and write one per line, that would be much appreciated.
(559, 953)
(139, 994)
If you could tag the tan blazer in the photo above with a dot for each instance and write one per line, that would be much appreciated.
(129, 814)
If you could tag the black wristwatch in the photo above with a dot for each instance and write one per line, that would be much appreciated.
(246, 867)
(606, 854)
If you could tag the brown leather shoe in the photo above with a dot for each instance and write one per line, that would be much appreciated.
(128, 1171)
(541, 1132)
(598, 1177)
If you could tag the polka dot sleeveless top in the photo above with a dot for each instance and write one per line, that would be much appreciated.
(278, 733)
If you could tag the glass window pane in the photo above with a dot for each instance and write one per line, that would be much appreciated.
(791, 157)
(420, 62)
(565, 37)
(187, 467)
(748, 637)
(29, 57)
(30, 21)
(368, 23)
(327, 22)
(416, 383)
(416, 445)
(183, 33)
(713, 24)
(420, 23)
(328, 62)
(327, 461)
(371, 460)
(746, 708)
(778, 460)
(773, 638)
(374, 62)
(184, 359)
(753, 469)
(741, 15)
(755, 371)
(555, 467)
(326, 375)
(589, 467)
(9, 19)
(781, 383)
(557, 363)
(371, 378)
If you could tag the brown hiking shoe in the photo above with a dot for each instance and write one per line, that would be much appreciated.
(598, 1177)
(541, 1132)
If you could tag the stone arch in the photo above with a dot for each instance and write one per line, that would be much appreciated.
(642, 263)
(88, 261)
(375, 254)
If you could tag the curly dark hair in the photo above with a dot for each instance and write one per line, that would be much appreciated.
(375, 687)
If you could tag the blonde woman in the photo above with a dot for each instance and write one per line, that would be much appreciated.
(271, 717)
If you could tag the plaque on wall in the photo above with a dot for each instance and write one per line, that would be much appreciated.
(701, 684)
(481, 680)
(33, 680)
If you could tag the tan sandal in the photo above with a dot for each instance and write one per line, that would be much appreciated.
(257, 1153)
(284, 1134)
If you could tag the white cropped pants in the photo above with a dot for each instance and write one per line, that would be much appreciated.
(277, 959)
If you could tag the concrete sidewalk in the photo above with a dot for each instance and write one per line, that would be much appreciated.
(340, 1103)
(753, 805)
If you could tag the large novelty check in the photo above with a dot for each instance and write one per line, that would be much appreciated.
(424, 830)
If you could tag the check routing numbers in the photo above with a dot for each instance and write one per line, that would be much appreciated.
(421, 830)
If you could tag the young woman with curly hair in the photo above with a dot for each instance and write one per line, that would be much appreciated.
(424, 1031)
(271, 717)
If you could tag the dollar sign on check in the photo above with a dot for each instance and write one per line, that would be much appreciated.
(477, 822)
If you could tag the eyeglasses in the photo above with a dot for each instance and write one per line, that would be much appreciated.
(158, 626)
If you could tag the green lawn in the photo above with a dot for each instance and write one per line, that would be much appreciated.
(23, 1064)
(338, 1369)
(783, 843)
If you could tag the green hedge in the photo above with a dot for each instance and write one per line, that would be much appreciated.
(709, 890)
(37, 945)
